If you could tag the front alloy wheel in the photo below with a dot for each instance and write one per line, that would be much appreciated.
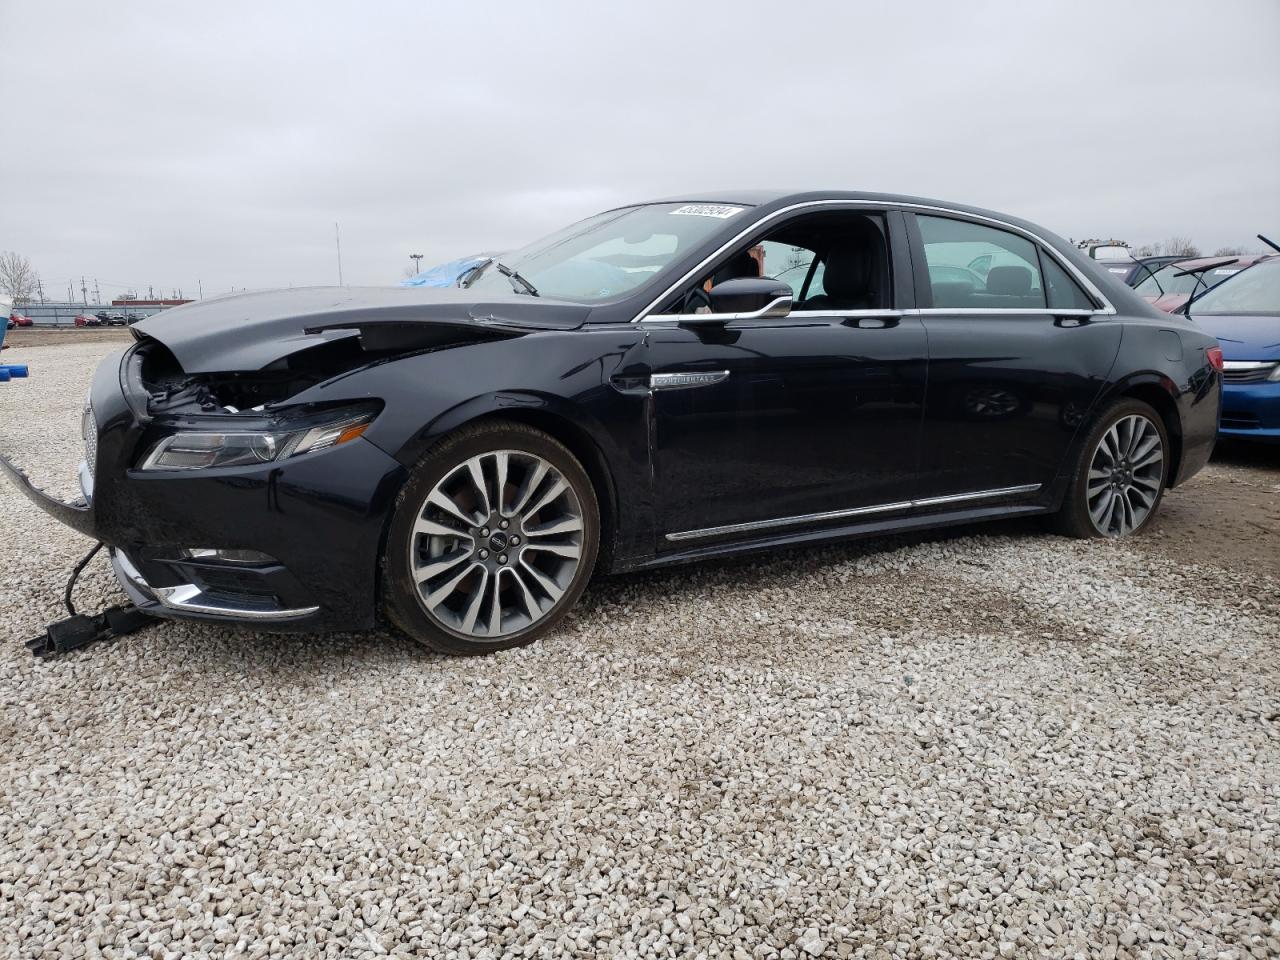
(496, 535)
(496, 544)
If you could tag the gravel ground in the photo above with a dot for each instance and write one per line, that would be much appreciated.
(989, 744)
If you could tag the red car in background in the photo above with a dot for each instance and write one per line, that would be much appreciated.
(17, 319)
(1170, 287)
(87, 320)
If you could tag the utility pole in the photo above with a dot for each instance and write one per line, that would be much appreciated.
(84, 292)
(337, 240)
(40, 289)
(200, 284)
(417, 263)
(97, 294)
(151, 294)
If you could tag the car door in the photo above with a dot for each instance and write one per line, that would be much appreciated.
(1017, 358)
(765, 424)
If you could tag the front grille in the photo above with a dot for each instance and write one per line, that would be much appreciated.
(89, 430)
(1248, 371)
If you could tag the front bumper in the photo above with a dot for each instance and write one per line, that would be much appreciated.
(320, 517)
(202, 600)
(1251, 411)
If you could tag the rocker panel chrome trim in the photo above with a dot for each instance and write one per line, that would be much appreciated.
(732, 528)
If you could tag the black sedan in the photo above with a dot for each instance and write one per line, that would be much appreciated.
(635, 390)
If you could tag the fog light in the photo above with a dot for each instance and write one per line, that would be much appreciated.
(225, 556)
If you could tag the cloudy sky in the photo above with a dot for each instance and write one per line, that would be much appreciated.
(176, 143)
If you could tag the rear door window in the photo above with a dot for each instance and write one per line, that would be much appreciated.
(1063, 292)
(972, 266)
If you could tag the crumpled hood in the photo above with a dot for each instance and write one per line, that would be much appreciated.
(249, 331)
(1243, 338)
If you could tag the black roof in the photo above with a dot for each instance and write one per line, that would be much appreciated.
(784, 198)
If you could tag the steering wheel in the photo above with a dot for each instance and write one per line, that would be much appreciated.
(691, 299)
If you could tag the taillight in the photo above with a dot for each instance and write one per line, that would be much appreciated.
(1214, 356)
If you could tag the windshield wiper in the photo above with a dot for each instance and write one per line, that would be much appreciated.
(1207, 267)
(517, 282)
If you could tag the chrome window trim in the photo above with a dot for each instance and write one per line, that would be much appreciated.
(1107, 308)
(793, 315)
(764, 313)
(731, 528)
(1008, 311)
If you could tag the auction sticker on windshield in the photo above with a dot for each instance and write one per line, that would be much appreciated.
(706, 210)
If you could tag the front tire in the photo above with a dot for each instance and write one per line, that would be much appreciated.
(492, 541)
(1120, 475)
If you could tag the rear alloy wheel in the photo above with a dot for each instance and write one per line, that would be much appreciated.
(1121, 475)
(493, 541)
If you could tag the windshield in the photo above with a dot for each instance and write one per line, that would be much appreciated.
(1255, 291)
(1165, 280)
(610, 254)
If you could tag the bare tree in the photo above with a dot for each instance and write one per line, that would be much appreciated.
(1181, 247)
(1229, 251)
(1149, 249)
(18, 278)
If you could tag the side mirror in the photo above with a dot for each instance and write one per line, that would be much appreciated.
(747, 298)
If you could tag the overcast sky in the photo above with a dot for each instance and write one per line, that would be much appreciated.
(170, 143)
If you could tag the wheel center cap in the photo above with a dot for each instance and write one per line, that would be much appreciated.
(498, 541)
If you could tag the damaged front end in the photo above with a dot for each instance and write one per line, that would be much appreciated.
(240, 456)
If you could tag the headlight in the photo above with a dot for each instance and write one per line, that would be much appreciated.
(199, 449)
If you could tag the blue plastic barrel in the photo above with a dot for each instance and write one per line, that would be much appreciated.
(14, 369)
(4, 374)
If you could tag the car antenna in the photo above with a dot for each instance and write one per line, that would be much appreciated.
(1270, 243)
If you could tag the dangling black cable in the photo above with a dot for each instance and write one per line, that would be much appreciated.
(75, 574)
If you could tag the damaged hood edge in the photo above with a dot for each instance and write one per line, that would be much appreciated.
(248, 332)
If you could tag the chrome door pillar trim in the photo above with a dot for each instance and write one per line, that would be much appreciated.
(807, 518)
(1071, 268)
(684, 381)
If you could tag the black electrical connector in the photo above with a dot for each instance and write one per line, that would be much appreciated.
(79, 630)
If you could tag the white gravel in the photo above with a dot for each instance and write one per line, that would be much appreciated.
(997, 745)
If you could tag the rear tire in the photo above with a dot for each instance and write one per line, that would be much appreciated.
(1120, 474)
(493, 540)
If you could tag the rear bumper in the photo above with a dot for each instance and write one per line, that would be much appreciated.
(1251, 411)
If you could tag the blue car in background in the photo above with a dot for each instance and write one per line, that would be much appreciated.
(1244, 314)
(448, 274)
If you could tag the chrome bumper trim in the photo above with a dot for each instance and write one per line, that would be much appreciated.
(189, 598)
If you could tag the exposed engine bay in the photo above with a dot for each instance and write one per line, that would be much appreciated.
(171, 390)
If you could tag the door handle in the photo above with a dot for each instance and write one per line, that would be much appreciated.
(872, 323)
(686, 381)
